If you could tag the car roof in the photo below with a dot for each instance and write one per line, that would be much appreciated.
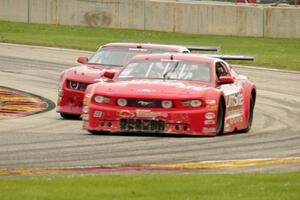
(176, 56)
(171, 47)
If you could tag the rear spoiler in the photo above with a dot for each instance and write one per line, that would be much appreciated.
(202, 48)
(229, 56)
(197, 48)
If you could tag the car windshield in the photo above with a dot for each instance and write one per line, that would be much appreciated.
(118, 56)
(168, 69)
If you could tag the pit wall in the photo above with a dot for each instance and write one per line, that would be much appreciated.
(170, 16)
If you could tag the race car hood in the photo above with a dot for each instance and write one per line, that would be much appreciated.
(88, 73)
(153, 89)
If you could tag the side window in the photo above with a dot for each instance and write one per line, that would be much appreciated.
(220, 70)
(233, 72)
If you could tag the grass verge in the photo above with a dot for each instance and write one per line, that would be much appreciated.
(277, 53)
(193, 186)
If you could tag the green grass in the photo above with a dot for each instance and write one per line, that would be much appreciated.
(278, 53)
(193, 186)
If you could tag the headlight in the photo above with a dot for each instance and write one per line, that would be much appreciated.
(122, 102)
(74, 85)
(192, 103)
(167, 104)
(101, 99)
(77, 85)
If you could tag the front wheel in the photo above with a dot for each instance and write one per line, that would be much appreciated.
(98, 132)
(250, 119)
(69, 116)
(220, 119)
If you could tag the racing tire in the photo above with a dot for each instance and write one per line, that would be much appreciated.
(69, 116)
(98, 132)
(220, 119)
(250, 119)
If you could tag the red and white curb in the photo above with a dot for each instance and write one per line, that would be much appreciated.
(17, 104)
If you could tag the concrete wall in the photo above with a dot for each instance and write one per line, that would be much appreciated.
(204, 18)
(14, 10)
(100, 13)
(282, 22)
(168, 15)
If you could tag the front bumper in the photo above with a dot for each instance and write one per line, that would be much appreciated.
(191, 121)
(70, 102)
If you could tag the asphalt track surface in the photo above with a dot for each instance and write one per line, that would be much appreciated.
(46, 141)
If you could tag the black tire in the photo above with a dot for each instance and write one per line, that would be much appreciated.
(250, 120)
(69, 116)
(220, 119)
(98, 132)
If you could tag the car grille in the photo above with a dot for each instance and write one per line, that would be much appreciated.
(144, 103)
(142, 125)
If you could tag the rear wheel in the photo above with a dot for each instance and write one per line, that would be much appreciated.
(250, 119)
(220, 119)
(69, 116)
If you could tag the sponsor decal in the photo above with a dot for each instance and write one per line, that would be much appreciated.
(125, 114)
(85, 109)
(160, 82)
(209, 122)
(235, 111)
(210, 115)
(97, 114)
(234, 120)
(149, 114)
(146, 90)
(86, 101)
(209, 130)
(85, 117)
(212, 107)
(211, 102)
(227, 127)
(236, 99)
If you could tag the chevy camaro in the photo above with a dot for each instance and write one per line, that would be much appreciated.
(113, 56)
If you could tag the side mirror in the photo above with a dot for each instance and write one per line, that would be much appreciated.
(226, 80)
(108, 74)
(83, 60)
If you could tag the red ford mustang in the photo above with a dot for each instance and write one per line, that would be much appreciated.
(171, 93)
(73, 82)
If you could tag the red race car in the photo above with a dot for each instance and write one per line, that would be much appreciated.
(73, 82)
(172, 93)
